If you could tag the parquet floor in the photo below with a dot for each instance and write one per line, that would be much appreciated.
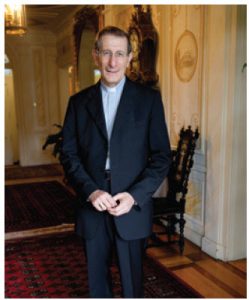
(211, 278)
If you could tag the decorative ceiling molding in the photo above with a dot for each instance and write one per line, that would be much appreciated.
(48, 17)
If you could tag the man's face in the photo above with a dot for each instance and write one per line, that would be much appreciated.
(112, 59)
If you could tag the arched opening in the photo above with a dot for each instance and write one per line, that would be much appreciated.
(11, 128)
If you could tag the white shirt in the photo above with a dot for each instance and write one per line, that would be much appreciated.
(110, 100)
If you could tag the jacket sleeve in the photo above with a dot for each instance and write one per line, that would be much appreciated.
(159, 156)
(75, 172)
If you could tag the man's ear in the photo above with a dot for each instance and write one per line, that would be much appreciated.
(95, 57)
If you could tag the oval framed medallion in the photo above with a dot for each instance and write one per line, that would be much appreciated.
(186, 55)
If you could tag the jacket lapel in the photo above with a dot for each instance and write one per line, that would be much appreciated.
(95, 109)
(125, 112)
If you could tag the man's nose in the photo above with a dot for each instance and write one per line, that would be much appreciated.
(112, 60)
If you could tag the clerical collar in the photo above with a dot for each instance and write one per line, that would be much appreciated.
(114, 88)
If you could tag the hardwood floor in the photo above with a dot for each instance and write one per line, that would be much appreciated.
(211, 278)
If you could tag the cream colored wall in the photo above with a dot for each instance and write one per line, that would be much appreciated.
(33, 57)
(225, 93)
(236, 243)
(44, 79)
(11, 131)
(183, 96)
(64, 92)
(216, 205)
(216, 202)
(208, 94)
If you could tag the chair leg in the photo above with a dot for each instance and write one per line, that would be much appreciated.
(181, 238)
(170, 226)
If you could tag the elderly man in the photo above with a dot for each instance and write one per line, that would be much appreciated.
(115, 153)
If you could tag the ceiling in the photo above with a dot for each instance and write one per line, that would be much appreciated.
(48, 16)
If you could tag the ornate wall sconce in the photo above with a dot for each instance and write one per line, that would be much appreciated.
(15, 19)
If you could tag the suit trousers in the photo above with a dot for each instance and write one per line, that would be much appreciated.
(99, 253)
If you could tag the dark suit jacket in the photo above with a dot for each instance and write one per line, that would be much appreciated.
(139, 155)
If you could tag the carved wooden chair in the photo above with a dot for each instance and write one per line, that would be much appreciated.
(169, 210)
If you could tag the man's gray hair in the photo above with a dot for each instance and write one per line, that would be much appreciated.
(112, 30)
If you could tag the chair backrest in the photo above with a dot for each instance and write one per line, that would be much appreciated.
(182, 162)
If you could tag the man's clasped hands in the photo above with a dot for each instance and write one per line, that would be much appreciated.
(116, 205)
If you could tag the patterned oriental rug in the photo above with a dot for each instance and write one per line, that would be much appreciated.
(36, 205)
(54, 267)
(17, 172)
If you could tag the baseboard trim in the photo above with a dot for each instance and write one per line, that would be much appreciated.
(213, 249)
(193, 236)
